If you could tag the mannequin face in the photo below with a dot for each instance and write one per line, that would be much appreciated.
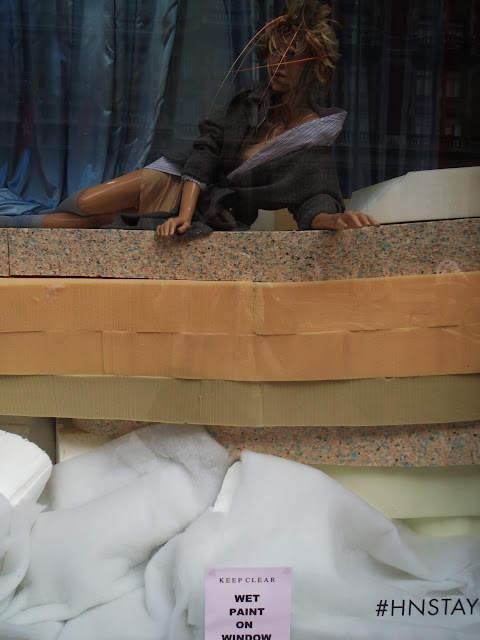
(286, 75)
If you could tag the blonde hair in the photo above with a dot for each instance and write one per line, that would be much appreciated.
(305, 31)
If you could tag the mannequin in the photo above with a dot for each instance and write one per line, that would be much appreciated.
(301, 51)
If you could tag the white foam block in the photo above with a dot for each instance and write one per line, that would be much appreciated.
(24, 469)
(440, 194)
(72, 442)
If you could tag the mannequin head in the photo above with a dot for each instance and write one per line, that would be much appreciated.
(301, 49)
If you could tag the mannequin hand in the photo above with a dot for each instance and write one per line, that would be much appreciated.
(169, 226)
(340, 221)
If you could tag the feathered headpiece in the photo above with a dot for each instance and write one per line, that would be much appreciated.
(304, 31)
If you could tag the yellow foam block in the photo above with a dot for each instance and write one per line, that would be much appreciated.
(445, 526)
(385, 327)
(413, 492)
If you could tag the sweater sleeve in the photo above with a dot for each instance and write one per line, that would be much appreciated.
(323, 196)
(203, 161)
(322, 203)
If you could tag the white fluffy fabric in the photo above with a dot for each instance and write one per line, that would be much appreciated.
(15, 524)
(107, 512)
(345, 555)
(98, 570)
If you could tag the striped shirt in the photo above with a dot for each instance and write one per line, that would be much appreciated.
(319, 132)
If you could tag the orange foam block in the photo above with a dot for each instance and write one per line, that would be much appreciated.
(346, 329)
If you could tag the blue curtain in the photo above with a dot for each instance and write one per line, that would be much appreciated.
(84, 82)
(210, 36)
(389, 81)
(245, 19)
(200, 59)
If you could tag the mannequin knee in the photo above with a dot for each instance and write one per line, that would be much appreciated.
(84, 203)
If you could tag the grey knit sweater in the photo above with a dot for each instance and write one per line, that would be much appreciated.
(304, 181)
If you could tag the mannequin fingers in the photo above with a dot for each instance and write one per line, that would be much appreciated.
(341, 221)
(339, 224)
(166, 229)
(184, 227)
(367, 221)
(364, 220)
(352, 219)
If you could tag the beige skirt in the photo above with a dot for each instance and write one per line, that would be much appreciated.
(159, 191)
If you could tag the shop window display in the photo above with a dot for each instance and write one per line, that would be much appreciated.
(328, 376)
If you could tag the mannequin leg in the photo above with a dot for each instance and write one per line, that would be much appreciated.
(101, 204)
(114, 196)
(72, 221)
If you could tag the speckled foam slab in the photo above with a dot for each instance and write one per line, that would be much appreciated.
(280, 256)
(450, 444)
(439, 496)
(4, 267)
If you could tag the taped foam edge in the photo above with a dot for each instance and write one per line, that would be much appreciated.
(371, 402)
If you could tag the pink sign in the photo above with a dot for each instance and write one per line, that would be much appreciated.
(248, 604)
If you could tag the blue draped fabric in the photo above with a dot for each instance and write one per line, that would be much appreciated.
(83, 84)
(210, 36)
(201, 57)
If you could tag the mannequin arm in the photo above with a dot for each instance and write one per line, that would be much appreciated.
(190, 194)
